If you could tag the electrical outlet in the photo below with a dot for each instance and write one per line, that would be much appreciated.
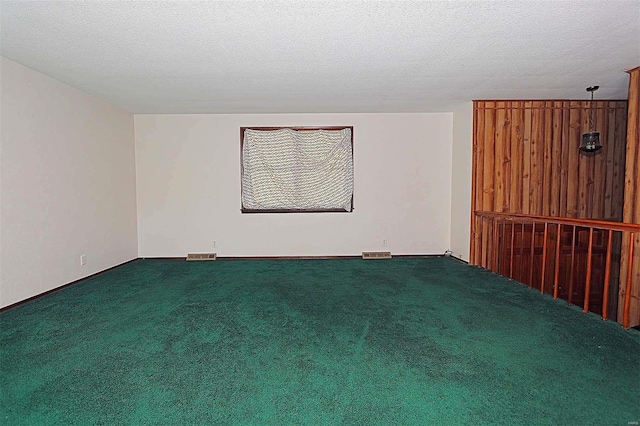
(384, 242)
(83, 259)
(215, 243)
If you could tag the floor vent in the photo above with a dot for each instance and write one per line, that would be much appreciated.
(376, 255)
(201, 256)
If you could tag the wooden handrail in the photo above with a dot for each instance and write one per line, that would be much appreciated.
(589, 223)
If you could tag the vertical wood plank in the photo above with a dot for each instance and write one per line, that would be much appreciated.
(631, 258)
(610, 149)
(506, 164)
(499, 172)
(517, 152)
(478, 173)
(556, 160)
(619, 162)
(536, 195)
(573, 176)
(547, 153)
(585, 167)
(526, 158)
(474, 179)
(567, 148)
(599, 172)
(488, 182)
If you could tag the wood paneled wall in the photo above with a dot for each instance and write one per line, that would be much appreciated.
(632, 197)
(526, 158)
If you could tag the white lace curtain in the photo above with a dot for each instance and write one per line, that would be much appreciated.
(289, 169)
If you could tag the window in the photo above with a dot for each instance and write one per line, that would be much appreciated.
(296, 169)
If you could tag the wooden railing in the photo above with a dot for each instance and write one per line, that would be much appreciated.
(573, 259)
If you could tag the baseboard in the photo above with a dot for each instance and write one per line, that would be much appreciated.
(62, 287)
(320, 257)
(417, 256)
(164, 258)
(286, 257)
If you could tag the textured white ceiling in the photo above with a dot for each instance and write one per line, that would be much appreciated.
(325, 56)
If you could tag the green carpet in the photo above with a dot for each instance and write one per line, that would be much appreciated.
(315, 342)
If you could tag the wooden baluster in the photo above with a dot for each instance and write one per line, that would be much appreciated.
(472, 246)
(533, 238)
(544, 257)
(482, 237)
(627, 291)
(587, 284)
(485, 242)
(513, 236)
(502, 256)
(573, 252)
(607, 277)
(479, 239)
(487, 248)
(499, 243)
(556, 274)
(520, 275)
(491, 244)
(495, 246)
(485, 245)
(477, 260)
(494, 243)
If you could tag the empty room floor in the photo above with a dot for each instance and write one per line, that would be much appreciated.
(336, 341)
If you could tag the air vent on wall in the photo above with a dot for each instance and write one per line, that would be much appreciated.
(376, 255)
(201, 256)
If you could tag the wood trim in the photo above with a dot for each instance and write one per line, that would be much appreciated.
(310, 128)
(165, 258)
(507, 101)
(591, 223)
(451, 256)
(417, 256)
(62, 287)
(287, 257)
(630, 259)
(242, 129)
(474, 160)
(252, 211)
(407, 256)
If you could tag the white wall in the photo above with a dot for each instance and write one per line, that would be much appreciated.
(188, 181)
(67, 182)
(461, 180)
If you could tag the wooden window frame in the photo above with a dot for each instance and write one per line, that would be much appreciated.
(245, 210)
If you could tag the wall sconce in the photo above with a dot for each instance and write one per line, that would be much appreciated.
(591, 139)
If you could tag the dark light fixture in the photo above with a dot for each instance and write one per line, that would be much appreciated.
(591, 139)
